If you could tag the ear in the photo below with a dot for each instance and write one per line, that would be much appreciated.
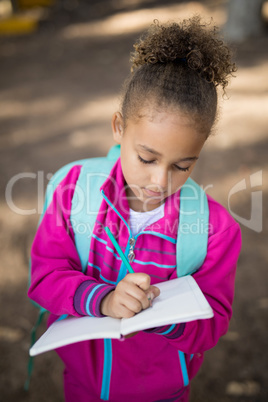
(117, 127)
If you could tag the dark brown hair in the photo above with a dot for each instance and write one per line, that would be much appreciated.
(178, 65)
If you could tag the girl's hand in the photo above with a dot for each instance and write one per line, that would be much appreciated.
(133, 294)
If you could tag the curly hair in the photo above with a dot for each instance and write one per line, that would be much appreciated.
(179, 65)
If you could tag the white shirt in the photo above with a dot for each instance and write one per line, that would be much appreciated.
(140, 220)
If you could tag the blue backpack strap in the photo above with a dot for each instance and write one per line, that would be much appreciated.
(193, 228)
(55, 181)
(114, 153)
(87, 200)
(192, 239)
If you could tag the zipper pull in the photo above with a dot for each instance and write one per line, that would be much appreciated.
(131, 254)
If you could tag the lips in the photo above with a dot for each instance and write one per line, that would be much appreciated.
(155, 194)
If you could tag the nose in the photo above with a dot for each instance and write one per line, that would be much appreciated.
(160, 179)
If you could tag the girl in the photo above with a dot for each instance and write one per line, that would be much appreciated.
(168, 110)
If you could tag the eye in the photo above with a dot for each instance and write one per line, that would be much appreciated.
(182, 169)
(143, 160)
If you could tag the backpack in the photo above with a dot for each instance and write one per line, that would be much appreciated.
(191, 247)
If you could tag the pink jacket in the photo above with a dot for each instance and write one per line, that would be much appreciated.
(148, 366)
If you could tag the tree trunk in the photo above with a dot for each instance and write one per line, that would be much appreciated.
(244, 20)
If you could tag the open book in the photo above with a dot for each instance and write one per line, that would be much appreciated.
(180, 300)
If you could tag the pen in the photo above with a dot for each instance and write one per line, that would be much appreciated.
(118, 249)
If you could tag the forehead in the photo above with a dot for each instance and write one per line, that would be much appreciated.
(168, 133)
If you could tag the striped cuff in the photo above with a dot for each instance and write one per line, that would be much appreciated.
(88, 297)
(169, 331)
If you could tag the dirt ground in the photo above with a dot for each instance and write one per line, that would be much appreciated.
(59, 88)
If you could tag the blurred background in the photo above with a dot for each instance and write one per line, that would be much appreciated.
(62, 65)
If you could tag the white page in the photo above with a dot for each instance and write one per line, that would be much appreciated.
(76, 329)
(180, 300)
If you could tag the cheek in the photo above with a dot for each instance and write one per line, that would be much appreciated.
(178, 180)
(131, 168)
(128, 156)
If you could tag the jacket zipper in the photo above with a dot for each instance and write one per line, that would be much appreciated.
(131, 254)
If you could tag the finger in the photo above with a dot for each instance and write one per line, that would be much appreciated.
(152, 293)
(124, 312)
(155, 291)
(137, 294)
(124, 306)
(132, 304)
(140, 279)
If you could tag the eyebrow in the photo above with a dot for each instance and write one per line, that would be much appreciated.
(154, 152)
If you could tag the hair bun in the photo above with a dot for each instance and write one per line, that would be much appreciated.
(191, 43)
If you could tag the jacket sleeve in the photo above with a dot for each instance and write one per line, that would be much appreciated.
(216, 279)
(57, 281)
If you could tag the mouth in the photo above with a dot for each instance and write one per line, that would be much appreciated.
(154, 194)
